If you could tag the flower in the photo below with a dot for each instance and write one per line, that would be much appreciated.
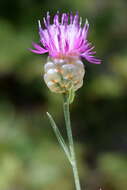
(66, 42)
(65, 38)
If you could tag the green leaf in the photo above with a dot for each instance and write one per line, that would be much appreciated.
(71, 95)
(59, 137)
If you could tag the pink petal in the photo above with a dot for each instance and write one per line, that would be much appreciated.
(38, 49)
(91, 59)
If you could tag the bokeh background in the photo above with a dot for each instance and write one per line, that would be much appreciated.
(30, 157)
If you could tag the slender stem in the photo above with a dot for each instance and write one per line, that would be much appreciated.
(71, 143)
(59, 137)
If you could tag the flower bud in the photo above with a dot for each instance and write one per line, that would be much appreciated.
(63, 74)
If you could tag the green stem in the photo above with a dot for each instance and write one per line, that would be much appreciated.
(71, 143)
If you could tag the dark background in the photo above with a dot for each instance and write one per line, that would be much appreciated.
(30, 158)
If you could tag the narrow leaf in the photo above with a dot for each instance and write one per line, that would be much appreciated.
(59, 136)
(71, 95)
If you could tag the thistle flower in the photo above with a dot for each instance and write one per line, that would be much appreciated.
(66, 42)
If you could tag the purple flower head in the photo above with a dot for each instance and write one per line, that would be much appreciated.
(65, 38)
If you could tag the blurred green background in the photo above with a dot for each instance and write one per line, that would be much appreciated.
(30, 157)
